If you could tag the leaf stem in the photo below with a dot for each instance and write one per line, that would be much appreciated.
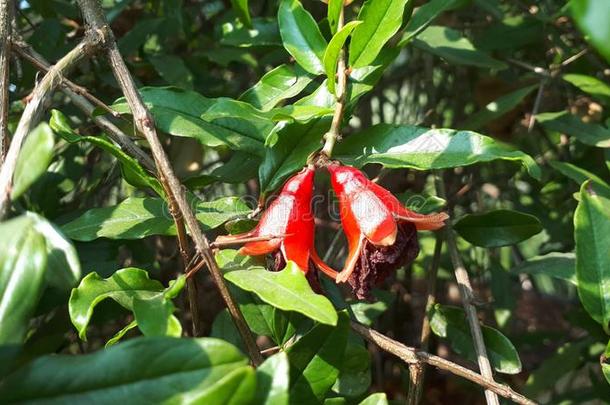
(95, 18)
(334, 133)
(6, 11)
(467, 296)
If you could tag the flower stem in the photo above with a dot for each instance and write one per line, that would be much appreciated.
(334, 133)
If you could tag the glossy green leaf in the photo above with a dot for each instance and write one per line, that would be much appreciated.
(555, 264)
(378, 398)
(450, 323)
(381, 19)
(63, 266)
(397, 146)
(296, 142)
(281, 83)
(179, 113)
(331, 56)
(34, 158)
(332, 15)
(423, 16)
(579, 175)
(564, 122)
(366, 312)
(134, 291)
(498, 108)
(142, 370)
(592, 237)
(589, 84)
(273, 381)
(136, 218)
(23, 261)
(134, 173)
(264, 32)
(241, 9)
(315, 360)
(287, 290)
(497, 228)
(301, 36)
(592, 18)
(454, 48)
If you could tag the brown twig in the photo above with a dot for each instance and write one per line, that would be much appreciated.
(81, 100)
(417, 386)
(334, 133)
(35, 107)
(467, 296)
(6, 8)
(96, 20)
(410, 355)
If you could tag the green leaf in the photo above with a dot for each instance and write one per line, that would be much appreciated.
(497, 228)
(63, 266)
(454, 48)
(592, 237)
(450, 323)
(34, 158)
(579, 175)
(375, 399)
(152, 370)
(564, 122)
(512, 33)
(331, 56)
(332, 15)
(398, 146)
(281, 83)
(366, 312)
(241, 9)
(498, 108)
(287, 290)
(136, 218)
(180, 113)
(590, 85)
(355, 374)
(592, 18)
(381, 19)
(315, 360)
(125, 286)
(606, 364)
(23, 261)
(273, 381)
(423, 17)
(264, 32)
(173, 70)
(555, 264)
(301, 36)
(296, 142)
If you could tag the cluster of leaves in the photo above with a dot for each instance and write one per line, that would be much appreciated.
(90, 226)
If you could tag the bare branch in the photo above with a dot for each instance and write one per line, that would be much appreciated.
(467, 296)
(94, 16)
(6, 12)
(34, 109)
(81, 98)
(411, 355)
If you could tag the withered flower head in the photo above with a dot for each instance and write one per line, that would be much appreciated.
(381, 232)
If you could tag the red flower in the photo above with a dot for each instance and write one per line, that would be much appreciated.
(289, 220)
(381, 232)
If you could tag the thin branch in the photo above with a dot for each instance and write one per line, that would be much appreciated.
(334, 132)
(536, 108)
(95, 18)
(6, 8)
(417, 386)
(35, 108)
(81, 98)
(410, 355)
(467, 296)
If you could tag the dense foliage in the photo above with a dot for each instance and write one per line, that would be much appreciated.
(496, 112)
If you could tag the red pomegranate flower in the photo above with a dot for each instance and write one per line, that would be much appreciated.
(289, 221)
(381, 232)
